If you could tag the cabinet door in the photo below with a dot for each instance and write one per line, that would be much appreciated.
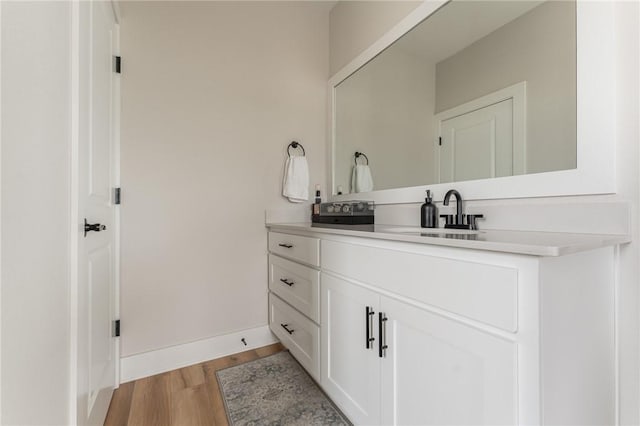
(350, 372)
(437, 371)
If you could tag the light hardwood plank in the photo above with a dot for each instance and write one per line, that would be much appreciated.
(118, 414)
(186, 377)
(151, 401)
(217, 405)
(183, 397)
(192, 406)
(210, 367)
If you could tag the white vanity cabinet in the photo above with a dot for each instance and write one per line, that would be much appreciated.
(433, 370)
(429, 334)
(471, 336)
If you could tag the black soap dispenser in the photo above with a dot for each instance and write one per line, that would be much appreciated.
(428, 213)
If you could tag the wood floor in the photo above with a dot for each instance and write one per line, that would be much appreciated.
(186, 397)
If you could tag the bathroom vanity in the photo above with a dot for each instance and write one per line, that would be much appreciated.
(401, 325)
(404, 325)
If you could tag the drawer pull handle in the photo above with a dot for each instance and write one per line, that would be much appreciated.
(286, 245)
(382, 334)
(369, 326)
(287, 282)
(286, 328)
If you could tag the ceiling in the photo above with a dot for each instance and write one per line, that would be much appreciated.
(458, 24)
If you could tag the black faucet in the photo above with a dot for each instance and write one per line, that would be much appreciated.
(457, 222)
(459, 216)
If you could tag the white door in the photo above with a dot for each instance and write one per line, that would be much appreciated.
(439, 372)
(350, 371)
(96, 344)
(477, 144)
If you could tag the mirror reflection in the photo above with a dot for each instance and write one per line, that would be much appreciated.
(480, 89)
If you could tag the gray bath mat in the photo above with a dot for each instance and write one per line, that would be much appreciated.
(275, 390)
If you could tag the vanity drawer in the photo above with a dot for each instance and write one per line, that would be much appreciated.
(483, 292)
(297, 333)
(296, 247)
(296, 284)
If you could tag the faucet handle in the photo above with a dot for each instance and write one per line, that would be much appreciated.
(448, 218)
(471, 220)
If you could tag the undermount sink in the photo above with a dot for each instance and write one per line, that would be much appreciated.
(434, 232)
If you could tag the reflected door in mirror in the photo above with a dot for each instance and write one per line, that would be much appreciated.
(477, 144)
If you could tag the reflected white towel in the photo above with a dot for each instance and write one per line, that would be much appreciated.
(296, 179)
(361, 179)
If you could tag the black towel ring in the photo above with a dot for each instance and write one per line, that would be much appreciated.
(295, 145)
(357, 155)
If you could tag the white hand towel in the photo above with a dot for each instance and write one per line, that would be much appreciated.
(361, 179)
(296, 179)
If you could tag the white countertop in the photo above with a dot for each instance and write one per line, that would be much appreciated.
(518, 242)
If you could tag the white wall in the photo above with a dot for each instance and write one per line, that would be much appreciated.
(568, 211)
(35, 212)
(212, 93)
(354, 25)
(547, 34)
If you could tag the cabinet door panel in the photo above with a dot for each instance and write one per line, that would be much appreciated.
(438, 371)
(350, 372)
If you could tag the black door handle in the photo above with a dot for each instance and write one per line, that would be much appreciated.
(96, 227)
(286, 245)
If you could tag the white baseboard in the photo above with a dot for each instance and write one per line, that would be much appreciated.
(149, 363)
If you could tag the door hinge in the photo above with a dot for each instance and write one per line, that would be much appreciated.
(116, 328)
(440, 141)
(116, 195)
(117, 64)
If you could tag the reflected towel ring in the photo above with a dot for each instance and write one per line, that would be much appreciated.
(357, 155)
(295, 145)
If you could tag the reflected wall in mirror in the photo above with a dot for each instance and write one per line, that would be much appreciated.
(479, 89)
